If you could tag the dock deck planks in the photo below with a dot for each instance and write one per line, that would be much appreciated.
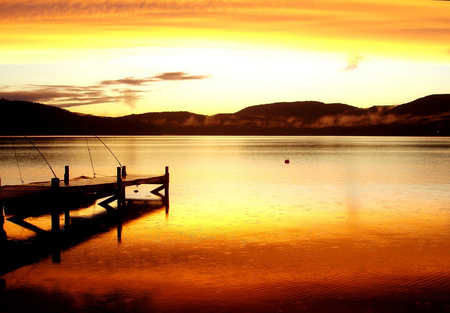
(83, 185)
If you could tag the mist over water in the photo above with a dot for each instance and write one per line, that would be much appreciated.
(351, 224)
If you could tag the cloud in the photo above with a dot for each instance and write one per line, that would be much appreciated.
(44, 95)
(127, 81)
(132, 81)
(63, 96)
(126, 90)
(353, 62)
(56, 9)
(178, 76)
(130, 97)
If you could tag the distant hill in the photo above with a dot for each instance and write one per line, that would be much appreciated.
(433, 105)
(427, 116)
(28, 118)
(307, 110)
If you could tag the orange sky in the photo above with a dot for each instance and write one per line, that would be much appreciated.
(221, 56)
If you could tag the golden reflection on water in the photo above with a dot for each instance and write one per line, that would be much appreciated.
(359, 235)
(246, 258)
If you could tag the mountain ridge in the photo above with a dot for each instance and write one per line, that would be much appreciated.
(426, 116)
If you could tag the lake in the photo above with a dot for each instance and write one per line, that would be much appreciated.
(351, 224)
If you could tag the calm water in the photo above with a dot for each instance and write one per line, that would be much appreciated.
(352, 224)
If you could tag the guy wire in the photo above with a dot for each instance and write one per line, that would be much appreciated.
(17, 160)
(90, 156)
(109, 150)
(42, 156)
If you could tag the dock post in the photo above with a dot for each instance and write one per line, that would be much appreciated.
(119, 189)
(66, 210)
(56, 253)
(66, 175)
(124, 171)
(55, 208)
(120, 204)
(119, 230)
(66, 218)
(166, 189)
(3, 236)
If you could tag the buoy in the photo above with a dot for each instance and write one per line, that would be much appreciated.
(286, 161)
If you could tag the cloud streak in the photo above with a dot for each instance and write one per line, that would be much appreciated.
(168, 76)
(130, 81)
(127, 91)
(178, 76)
(53, 9)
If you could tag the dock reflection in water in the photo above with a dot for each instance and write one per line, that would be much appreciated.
(349, 225)
(35, 240)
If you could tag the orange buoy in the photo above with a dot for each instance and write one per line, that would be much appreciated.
(287, 161)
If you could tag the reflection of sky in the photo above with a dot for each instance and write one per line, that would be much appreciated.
(179, 262)
(335, 222)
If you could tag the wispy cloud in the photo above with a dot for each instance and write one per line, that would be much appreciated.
(131, 81)
(178, 76)
(55, 9)
(125, 90)
(353, 62)
(63, 96)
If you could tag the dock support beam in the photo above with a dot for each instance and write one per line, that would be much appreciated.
(55, 207)
(66, 218)
(164, 186)
(3, 236)
(56, 228)
(66, 175)
(166, 189)
(120, 201)
(120, 190)
(66, 211)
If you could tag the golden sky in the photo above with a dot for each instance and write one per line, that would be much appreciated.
(132, 56)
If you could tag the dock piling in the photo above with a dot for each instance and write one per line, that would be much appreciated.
(55, 206)
(66, 218)
(120, 190)
(166, 189)
(3, 236)
(56, 228)
(66, 175)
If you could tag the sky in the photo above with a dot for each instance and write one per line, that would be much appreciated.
(120, 57)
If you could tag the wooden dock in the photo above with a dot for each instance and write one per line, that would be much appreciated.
(53, 193)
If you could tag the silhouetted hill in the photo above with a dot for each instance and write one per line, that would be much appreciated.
(28, 118)
(307, 110)
(426, 106)
(428, 116)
